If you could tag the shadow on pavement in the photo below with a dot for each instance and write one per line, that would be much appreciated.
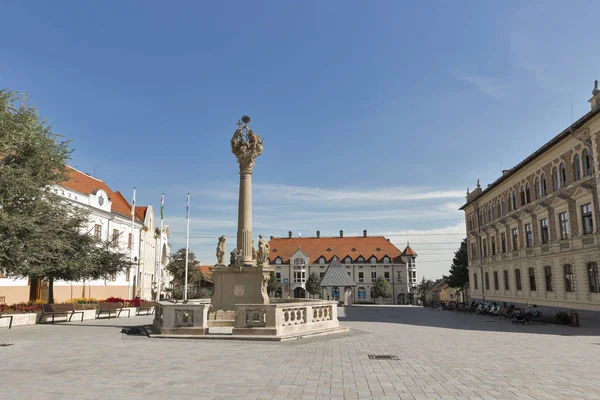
(420, 316)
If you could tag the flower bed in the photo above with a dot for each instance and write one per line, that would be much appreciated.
(79, 303)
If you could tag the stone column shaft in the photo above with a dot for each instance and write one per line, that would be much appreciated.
(244, 233)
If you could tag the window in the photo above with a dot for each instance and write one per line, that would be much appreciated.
(360, 260)
(576, 167)
(373, 260)
(563, 175)
(518, 279)
(130, 241)
(586, 215)
(528, 235)
(373, 276)
(503, 208)
(278, 261)
(278, 276)
(527, 193)
(554, 179)
(347, 260)
(544, 230)
(494, 245)
(538, 193)
(115, 238)
(532, 285)
(98, 232)
(503, 240)
(386, 275)
(475, 281)
(127, 274)
(485, 247)
(543, 185)
(548, 278)
(587, 165)
(299, 276)
(522, 195)
(490, 213)
(569, 278)
(506, 283)
(386, 260)
(361, 276)
(594, 278)
(515, 239)
(321, 275)
(321, 261)
(496, 283)
(514, 201)
(473, 250)
(564, 225)
(487, 281)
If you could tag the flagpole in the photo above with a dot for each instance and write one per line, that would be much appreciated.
(187, 247)
(160, 256)
(137, 284)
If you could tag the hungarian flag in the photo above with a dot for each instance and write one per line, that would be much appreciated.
(162, 206)
(133, 204)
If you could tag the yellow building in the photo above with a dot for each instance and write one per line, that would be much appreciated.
(533, 233)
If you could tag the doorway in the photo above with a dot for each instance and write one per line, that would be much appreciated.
(299, 293)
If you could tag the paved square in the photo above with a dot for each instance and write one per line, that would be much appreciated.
(441, 355)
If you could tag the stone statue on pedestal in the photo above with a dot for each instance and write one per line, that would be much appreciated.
(263, 251)
(221, 250)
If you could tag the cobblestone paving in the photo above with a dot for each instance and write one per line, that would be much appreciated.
(441, 355)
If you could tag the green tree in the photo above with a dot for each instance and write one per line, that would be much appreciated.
(313, 284)
(42, 237)
(273, 284)
(423, 287)
(382, 288)
(177, 270)
(459, 273)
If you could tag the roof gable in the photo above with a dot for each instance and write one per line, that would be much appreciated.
(336, 275)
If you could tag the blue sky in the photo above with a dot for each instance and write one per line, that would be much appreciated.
(375, 115)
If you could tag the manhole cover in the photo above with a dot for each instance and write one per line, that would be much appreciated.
(383, 357)
(5, 344)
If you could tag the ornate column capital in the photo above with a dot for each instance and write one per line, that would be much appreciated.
(246, 146)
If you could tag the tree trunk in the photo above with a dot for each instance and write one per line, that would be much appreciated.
(51, 291)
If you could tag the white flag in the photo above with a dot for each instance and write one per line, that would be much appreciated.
(133, 204)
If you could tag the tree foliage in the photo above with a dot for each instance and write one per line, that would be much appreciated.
(42, 236)
(382, 288)
(273, 284)
(423, 287)
(177, 269)
(459, 273)
(313, 284)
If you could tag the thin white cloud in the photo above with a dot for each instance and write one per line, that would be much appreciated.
(490, 86)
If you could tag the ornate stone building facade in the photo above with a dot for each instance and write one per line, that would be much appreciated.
(365, 258)
(533, 233)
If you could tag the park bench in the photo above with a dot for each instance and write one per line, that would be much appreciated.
(114, 307)
(9, 322)
(147, 306)
(54, 309)
(500, 313)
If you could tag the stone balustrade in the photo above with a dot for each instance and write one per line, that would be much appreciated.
(285, 317)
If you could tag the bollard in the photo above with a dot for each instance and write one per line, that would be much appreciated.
(574, 317)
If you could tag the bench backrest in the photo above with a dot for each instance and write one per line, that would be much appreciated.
(57, 308)
(113, 306)
(144, 305)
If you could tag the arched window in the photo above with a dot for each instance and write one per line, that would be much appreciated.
(493, 211)
(322, 260)
(569, 278)
(563, 175)
(527, 193)
(360, 259)
(548, 278)
(499, 209)
(576, 167)
(490, 213)
(386, 260)
(532, 284)
(373, 260)
(587, 165)
(503, 208)
(347, 260)
(594, 278)
(522, 195)
(278, 261)
(538, 193)
(299, 261)
(514, 201)
(543, 184)
(554, 179)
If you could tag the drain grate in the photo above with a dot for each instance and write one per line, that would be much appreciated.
(383, 357)
(6, 344)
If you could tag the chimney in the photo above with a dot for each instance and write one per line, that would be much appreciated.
(318, 234)
(341, 234)
(365, 233)
(595, 100)
(289, 234)
(272, 237)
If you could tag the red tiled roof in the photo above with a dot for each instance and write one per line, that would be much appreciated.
(140, 212)
(328, 247)
(205, 270)
(408, 251)
(85, 184)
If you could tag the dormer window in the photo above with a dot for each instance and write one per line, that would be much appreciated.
(386, 260)
(322, 260)
(347, 260)
(299, 261)
(360, 259)
(373, 260)
(278, 261)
